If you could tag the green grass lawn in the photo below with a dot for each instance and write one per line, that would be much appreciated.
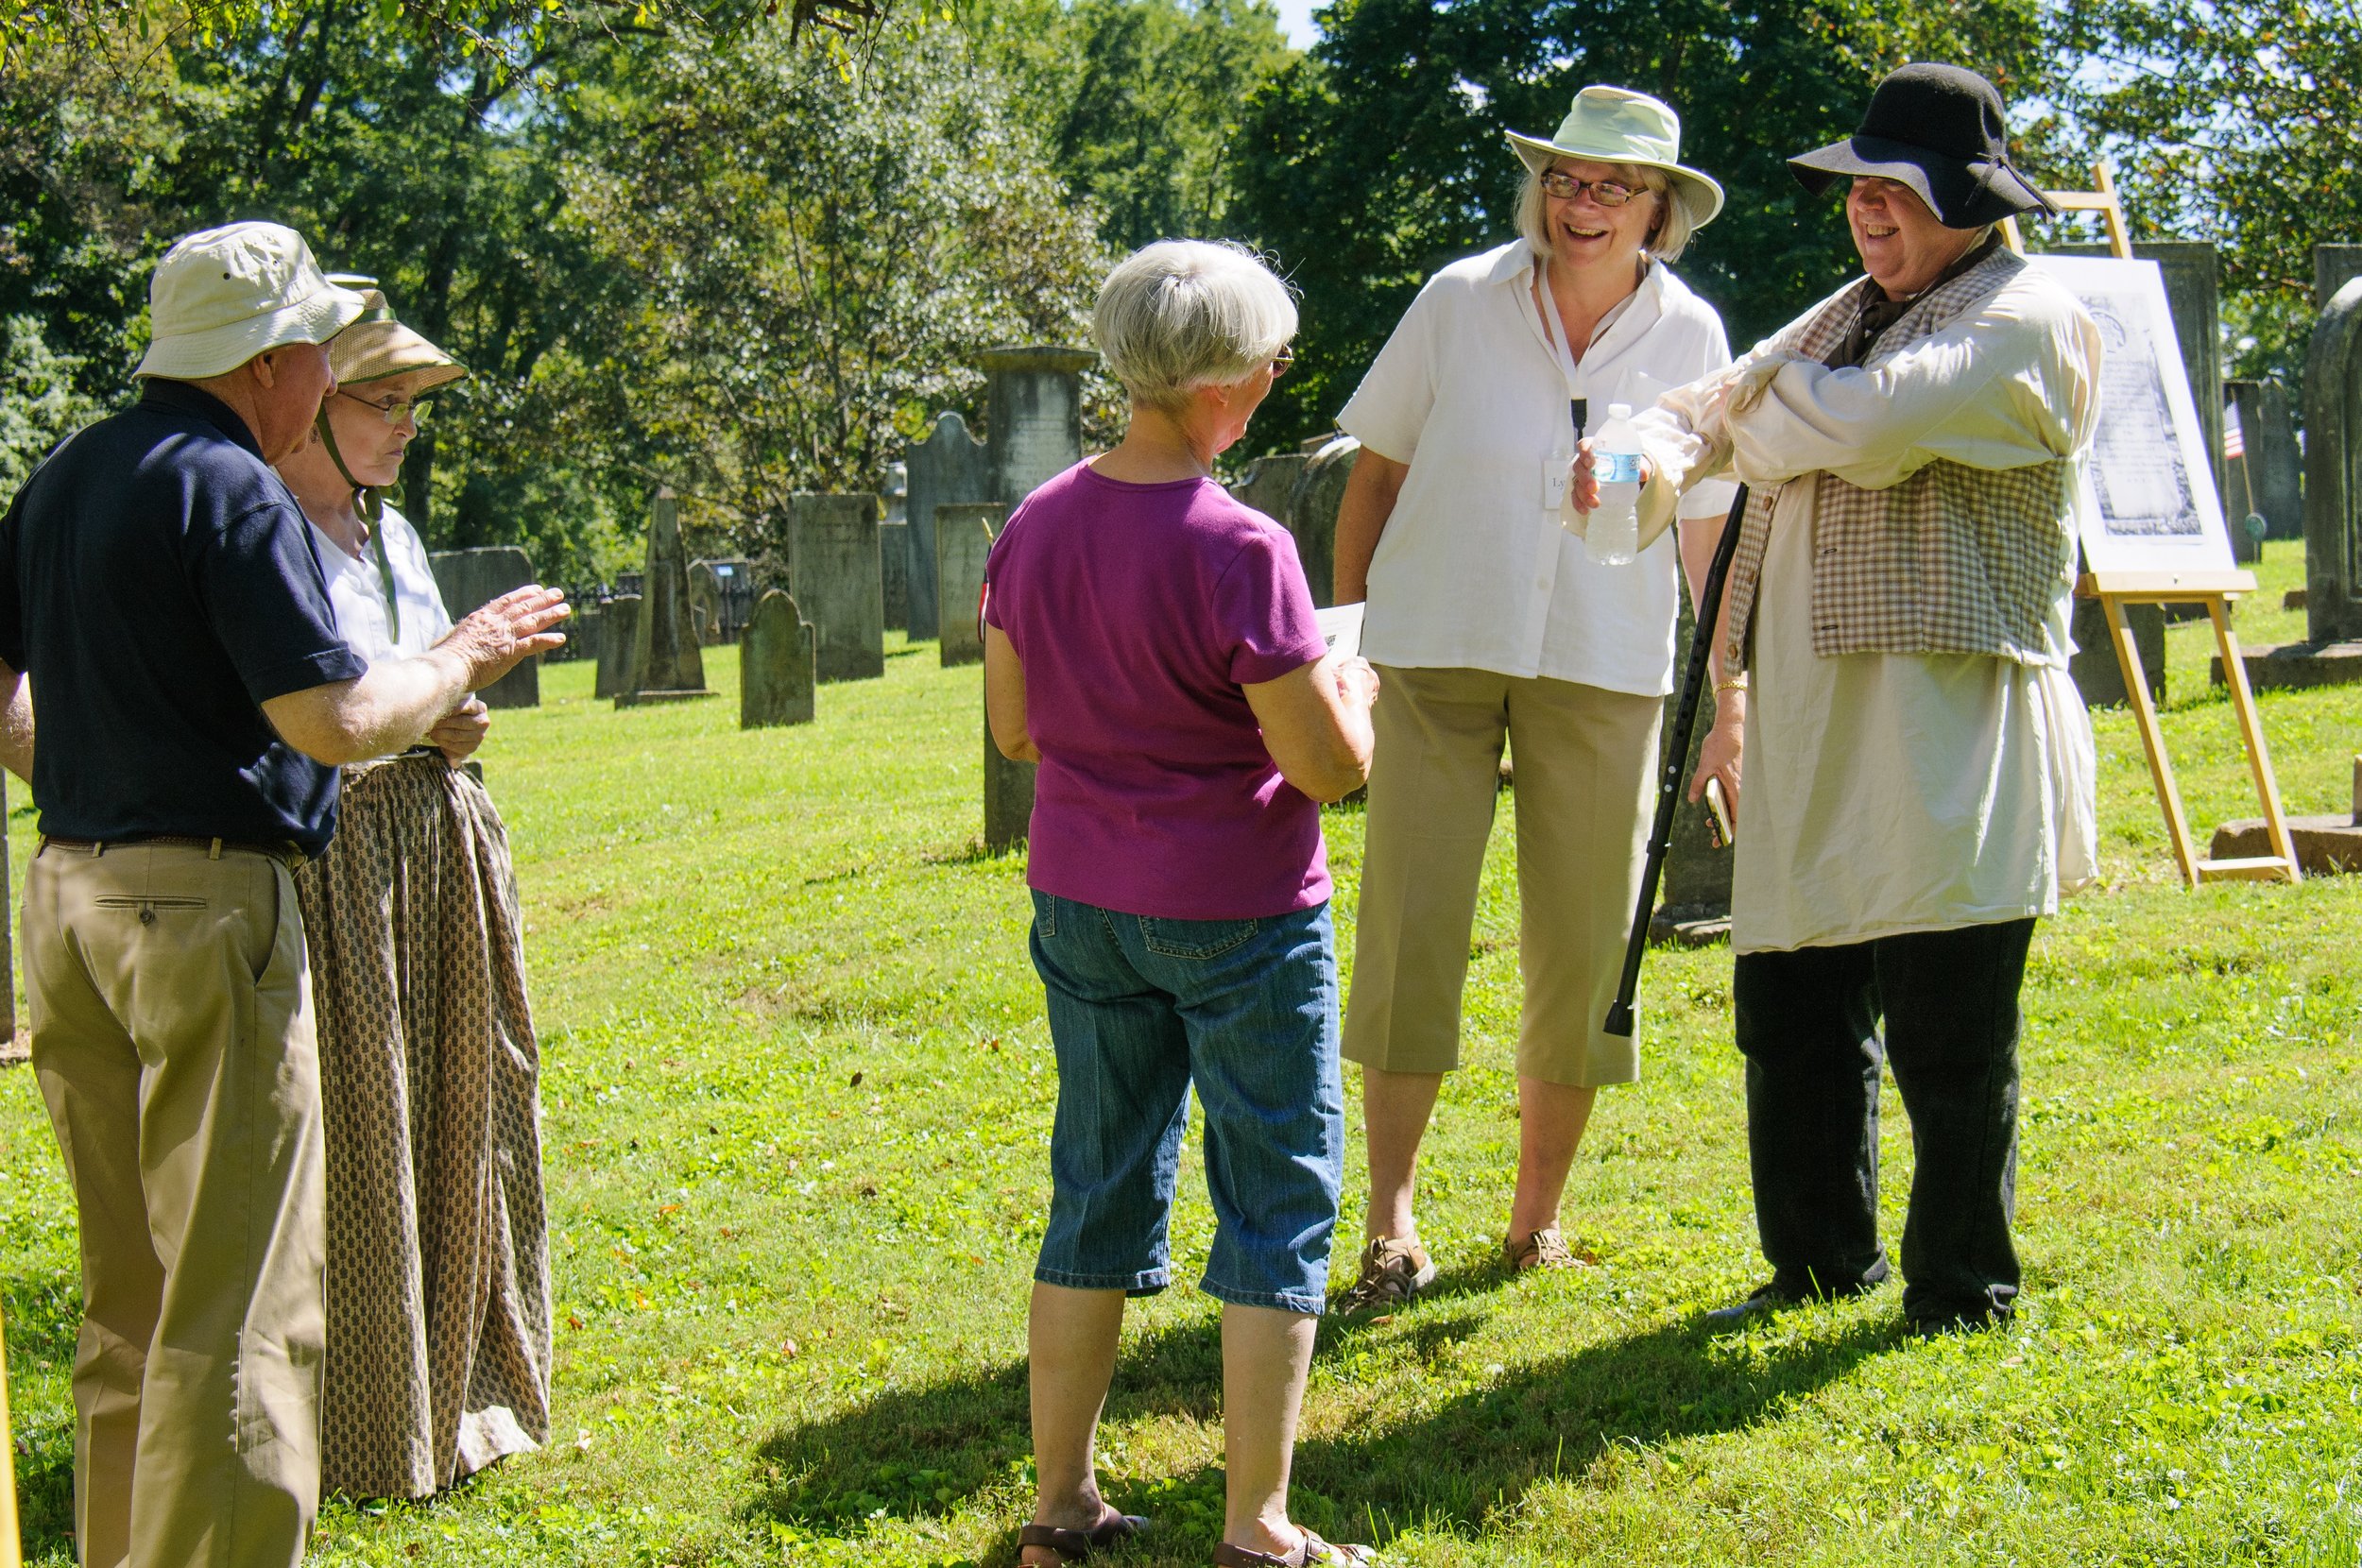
(799, 1092)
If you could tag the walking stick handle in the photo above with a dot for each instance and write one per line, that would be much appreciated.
(1620, 1015)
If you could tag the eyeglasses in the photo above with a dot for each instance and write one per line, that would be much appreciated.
(1607, 192)
(1281, 360)
(392, 410)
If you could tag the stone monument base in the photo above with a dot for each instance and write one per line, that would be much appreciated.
(2326, 847)
(2294, 666)
(1689, 926)
(647, 699)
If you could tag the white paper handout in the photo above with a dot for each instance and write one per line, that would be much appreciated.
(1341, 628)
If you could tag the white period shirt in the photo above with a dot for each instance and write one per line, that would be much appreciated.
(1472, 569)
(1887, 793)
(356, 592)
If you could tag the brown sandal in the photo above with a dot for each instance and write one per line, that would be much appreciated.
(1314, 1553)
(1074, 1546)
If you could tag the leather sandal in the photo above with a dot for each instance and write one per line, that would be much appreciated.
(1074, 1546)
(1314, 1553)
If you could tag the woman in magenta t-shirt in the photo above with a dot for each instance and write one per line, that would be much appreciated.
(1151, 643)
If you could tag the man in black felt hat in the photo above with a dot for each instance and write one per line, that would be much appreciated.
(1919, 764)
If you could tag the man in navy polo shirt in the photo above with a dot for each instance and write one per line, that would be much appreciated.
(158, 590)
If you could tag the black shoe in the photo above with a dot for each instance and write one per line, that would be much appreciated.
(1958, 1322)
(1761, 1302)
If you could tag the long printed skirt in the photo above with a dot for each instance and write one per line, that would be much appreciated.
(438, 1280)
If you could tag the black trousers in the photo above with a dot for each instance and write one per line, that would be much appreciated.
(1808, 1024)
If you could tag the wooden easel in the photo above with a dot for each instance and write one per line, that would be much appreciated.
(2214, 590)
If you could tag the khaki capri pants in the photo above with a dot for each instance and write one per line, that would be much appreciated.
(1585, 760)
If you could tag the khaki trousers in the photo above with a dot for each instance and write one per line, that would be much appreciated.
(1586, 761)
(172, 1036)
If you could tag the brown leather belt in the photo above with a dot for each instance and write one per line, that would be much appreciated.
(286, 854)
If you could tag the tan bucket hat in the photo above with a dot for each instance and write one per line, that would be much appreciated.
(222, 295)
(1615, 125)
(378, 346)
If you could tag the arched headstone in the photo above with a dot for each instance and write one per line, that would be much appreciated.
(778, 663)
(469, 580)
(2333, 471)
(1313, 514)
(964, 537)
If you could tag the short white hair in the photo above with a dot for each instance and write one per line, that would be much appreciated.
(1180, 314)
(1665, 241)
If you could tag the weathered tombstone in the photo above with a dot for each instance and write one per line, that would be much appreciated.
(619, 624)
(2098, 673)
(1032, 416)
(2275, 469)
(1694, 898)
(2333, 471)
(894, 565)
(721, 597)
(470, 579)
(1008, 798)
(666, 665)
(1313, 515)
(839, 581)
(1269, 481)
(964, 537)
(2331, 265)
(778, 664)
(950, 467)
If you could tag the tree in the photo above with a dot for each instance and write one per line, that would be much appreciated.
(1380, 157)
(2233, 121)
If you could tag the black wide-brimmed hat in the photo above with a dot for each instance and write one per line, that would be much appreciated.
(1936, 129)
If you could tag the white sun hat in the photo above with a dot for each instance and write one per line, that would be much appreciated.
(222, 295)
(1615, 125)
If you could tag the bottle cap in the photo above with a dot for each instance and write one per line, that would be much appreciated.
(1619, 411)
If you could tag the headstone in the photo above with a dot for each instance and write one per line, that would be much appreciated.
(894, 564)
(2098, 673)
(1034, 416)
(1313, 514)
(7, 929)
(1269, 481)
(470, 579)
(2331, 265)
(950, 467)
(839, 581)
(1008, 798)
(778, 663)
(721, 597)
(619, 624)
(1694, 898)
(964, 537)
(666, 665)
(2332, 471)
(2275, 469)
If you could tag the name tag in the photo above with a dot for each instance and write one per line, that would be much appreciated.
(1555, 474)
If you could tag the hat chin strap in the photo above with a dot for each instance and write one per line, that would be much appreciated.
(369, 502)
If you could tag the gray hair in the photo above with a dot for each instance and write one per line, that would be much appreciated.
(1666, 242)
(1180, 314)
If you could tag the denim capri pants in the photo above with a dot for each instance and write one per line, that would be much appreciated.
(1140, 1008)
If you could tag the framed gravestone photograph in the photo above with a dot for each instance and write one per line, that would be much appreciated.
(2149, 502)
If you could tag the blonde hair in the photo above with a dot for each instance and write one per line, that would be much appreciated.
(1179, 314)
(1664, 243)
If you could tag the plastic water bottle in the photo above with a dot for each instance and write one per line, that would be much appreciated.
(1612, 537)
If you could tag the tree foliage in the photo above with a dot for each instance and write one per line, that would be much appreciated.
(1380, 157)
(2232, 121)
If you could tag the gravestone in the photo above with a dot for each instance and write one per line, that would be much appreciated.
(2098, 673)
(666, 665)
(8, 931)
(777, 665)
(2331, 265)
(1008, 798)
(1033, 417)
(948, 468)
(721, 597)
(964, 537)
(2275, 469)
(1269, 481)
(1313, 515)
(839, 581)
(619, 624)
(470, 579)
(893, 567)
(2333, 471)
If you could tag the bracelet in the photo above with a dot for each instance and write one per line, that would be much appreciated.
(1736, 683)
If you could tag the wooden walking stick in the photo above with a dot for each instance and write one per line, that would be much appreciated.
(1676, 765)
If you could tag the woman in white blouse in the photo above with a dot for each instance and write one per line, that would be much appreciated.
(438, 1300)
(1488, 621)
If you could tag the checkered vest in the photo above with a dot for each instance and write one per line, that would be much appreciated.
(1952, 560)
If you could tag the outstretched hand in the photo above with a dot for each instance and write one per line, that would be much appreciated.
(506, 632)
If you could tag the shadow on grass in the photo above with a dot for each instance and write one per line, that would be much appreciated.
(921, 1452)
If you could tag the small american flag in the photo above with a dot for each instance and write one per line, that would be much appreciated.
(2233, 443)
